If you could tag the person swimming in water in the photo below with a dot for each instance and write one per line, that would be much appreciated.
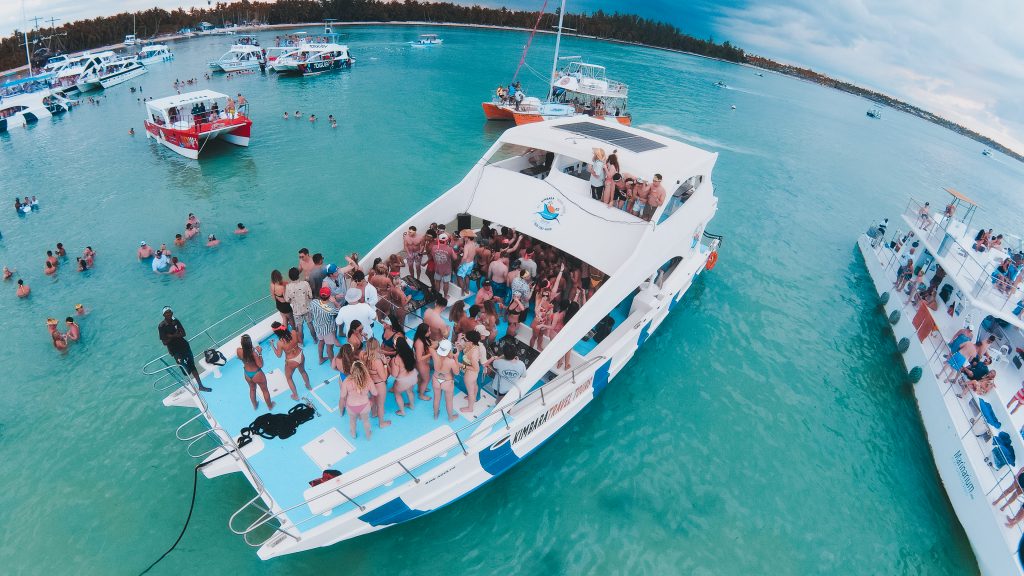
(8, 273)
(59, 340)
(74, 330)
(23, 289)
(241, 229)
(80, 310)
(211, 241)
(145, 251)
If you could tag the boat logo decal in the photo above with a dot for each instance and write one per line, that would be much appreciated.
(537, 422)
(548, 212)
(564, 81)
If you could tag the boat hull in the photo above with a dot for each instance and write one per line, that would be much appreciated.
(963, 487)
(530, 117)
(234, 66)
(494, 111)
(311, 68)
(155, 59)
(189, 143)
(494, 449)
(121, 77)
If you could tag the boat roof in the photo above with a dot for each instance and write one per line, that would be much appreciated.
(186, 98)
(585, 229)
(19, 81)
(961, 197)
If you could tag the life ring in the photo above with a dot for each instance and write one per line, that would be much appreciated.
(712, 260)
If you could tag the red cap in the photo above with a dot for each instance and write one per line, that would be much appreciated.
(325, 291)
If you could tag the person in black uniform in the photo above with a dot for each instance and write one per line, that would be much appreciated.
(172, 334)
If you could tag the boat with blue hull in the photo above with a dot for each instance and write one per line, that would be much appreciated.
(318, 485)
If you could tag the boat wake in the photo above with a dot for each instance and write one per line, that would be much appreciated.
(693, 138)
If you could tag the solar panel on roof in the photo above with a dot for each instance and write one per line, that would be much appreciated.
(619, 138)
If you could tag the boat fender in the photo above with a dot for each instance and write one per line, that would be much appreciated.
(903, 345)
(884, 298)
(712, 260)
(915, 374)
(894, 317)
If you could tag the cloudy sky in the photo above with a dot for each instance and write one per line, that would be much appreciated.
(959, 59)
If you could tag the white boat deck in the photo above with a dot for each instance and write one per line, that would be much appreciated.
(964, 405)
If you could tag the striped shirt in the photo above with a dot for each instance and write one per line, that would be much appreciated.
(324, 313)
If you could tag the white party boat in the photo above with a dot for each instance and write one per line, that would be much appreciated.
(186, 122)
(155, 53)
(239, 57)
(27, 100)
(533, 179)
(110, 74)
(934, 286)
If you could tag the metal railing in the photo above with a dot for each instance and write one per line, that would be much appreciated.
(167, 364)
(959, 260)
(441, 445)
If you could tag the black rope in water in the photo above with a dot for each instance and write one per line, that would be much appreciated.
(191, 508)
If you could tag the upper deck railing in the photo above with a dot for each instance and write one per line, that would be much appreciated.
(974, 275)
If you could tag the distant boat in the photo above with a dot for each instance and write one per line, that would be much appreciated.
(875, 112)
(721, 84)
(986, 152)
(427, 40)
(761, 74)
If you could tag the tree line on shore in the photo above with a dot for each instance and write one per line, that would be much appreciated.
(106, 30)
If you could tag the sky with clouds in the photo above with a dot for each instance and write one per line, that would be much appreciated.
(961, 60)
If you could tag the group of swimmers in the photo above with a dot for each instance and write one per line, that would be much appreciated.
(59, 254)
(512, 275)
(72, 333)
(312, 118)
(25, 206)
(163, 262)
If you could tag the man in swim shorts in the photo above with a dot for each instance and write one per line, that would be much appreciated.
(469, 249)
(145, 250)
(413, 244)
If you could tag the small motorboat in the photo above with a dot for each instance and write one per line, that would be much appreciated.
(155, 53)
(875, 112)
(239, 57)
(721, 84)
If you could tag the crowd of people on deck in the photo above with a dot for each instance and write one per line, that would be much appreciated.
(511, 95)
(510, 290)
(624, 190)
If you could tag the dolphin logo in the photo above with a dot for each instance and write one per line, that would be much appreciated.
(549, 213)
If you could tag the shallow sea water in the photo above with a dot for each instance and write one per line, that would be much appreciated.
(766, 428)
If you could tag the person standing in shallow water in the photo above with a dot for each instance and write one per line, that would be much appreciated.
(172, 334)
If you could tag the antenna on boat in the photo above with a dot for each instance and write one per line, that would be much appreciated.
(558, 42)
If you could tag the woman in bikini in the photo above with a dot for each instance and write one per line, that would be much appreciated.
(293, 357)
(472, 358)
(489, 318)
(355, 397)
(391, 330)
(541, 320)
(374, 361)
(356, 336)
(277, 285)
(343, 361)
(513, 314)
(421, 346)
(611, 170)
(445, 369)
(252, 365)
(403, 369)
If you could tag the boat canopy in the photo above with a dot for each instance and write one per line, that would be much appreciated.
(558, 208)
(960, 196)
(177, 100)
(27, 79)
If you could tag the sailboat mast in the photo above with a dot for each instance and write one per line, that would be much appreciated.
(558, 42)
(28, 56)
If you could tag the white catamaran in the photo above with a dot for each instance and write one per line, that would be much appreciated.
(320, 486)
(951, 293)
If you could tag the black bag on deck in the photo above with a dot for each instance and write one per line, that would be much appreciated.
(282, 426)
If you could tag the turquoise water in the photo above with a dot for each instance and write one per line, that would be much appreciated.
(766, 428)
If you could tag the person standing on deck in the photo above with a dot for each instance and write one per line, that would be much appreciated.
(305, 262)
(655, 198)
(172, 334)
(324, 314)
(443, 256)
(597, 174)
(316, 275)
(298, 295)
(413, 251)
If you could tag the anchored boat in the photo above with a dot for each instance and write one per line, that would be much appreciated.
(321, 54)
(155, 53)
(186, 122)
(426, 41)
(110, 74)
(239, 57)
(946, 300)
(320, 486)
(27, 100)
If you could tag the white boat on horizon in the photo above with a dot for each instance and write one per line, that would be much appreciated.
(319, 486)
(974, 436)
(239, 57)
(154, 53)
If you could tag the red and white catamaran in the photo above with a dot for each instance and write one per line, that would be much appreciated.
(186, 122)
